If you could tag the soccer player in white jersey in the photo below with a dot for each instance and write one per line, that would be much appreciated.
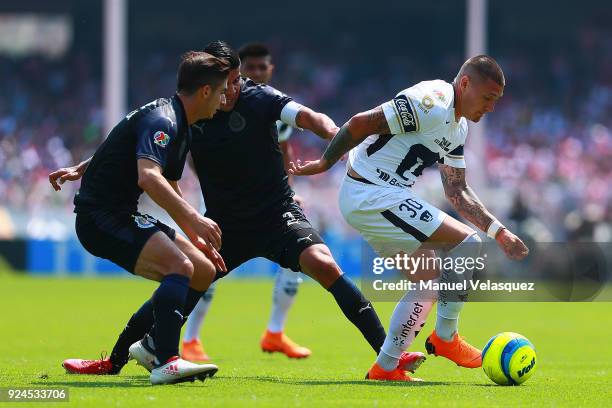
(256, 64)
(423, 125)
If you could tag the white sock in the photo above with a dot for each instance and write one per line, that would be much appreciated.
(285, 288)
(407, 321)
(196, 318)
(448, 319)
(451, 302)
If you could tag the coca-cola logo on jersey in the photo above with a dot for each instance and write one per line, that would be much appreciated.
(405, 113)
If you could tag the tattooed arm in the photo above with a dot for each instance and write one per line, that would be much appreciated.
(350, 135)
(469, 206)
(463, 198)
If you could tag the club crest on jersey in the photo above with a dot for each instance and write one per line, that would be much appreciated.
(161, 139)
(405, 113)
(426, 216)
(144, 221)
(426, 104)
(236, 122)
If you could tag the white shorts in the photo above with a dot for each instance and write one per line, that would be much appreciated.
(391, 219)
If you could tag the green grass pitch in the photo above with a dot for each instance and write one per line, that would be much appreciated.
(45, 320)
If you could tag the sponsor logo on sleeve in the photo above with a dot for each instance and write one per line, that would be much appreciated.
(406, 114)
(161, 138)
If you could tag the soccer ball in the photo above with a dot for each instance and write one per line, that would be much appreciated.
(509, 359)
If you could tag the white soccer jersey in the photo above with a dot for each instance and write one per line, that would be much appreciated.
(423, 131)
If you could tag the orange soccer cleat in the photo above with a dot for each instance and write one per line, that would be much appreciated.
(378, 373)
(279, 342)
(193, 351)
(457, 350)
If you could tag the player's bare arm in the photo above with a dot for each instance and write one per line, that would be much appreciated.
(203, 232)
(319, 123)
(468, 205)
(355, 131)
(175, 186)
(287, 152)
(73, 173)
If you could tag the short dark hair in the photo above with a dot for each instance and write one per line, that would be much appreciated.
(254, 50)
(484, 67)
(223, 50)
(198, 69)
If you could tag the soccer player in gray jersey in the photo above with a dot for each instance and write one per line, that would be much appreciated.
(256, 65)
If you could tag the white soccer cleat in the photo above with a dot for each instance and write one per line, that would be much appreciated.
(177, 370)
(142, 354)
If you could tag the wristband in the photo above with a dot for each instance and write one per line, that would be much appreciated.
(494, 228)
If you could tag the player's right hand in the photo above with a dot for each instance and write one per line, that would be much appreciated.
(512, 245)
(210, 252)
(308, 168)
(208, 230)
(58, 177)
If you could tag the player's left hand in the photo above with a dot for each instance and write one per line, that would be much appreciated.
(512, 245)
(58, 177)
(308, 168)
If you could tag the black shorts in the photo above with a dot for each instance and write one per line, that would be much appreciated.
(281, 239)
(118, 236)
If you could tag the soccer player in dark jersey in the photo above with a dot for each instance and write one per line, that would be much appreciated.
(146, 152)
(256, 64)
(245, 186)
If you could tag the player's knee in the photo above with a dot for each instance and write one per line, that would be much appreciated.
(182, 267)
(473, 243)
(319, 264)
(203, 268)
(318, 259)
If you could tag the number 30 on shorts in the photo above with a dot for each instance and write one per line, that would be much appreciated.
(413, 207)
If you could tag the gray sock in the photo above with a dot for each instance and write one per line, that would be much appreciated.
(387, 362)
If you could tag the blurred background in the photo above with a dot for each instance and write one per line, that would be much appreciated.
(542, 162)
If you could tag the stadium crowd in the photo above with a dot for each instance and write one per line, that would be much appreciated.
(548, 151)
